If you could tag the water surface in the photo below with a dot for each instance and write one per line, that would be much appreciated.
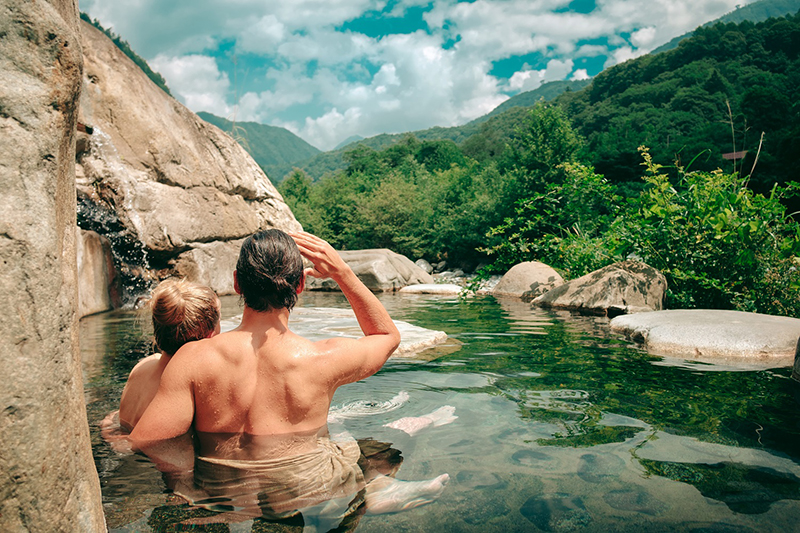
(561, 427)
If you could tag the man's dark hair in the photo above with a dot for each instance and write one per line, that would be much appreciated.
(269, 271)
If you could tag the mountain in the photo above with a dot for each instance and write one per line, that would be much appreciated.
(547, 91)
(501, 121)
(350, 140)
(755, 12)
(275, 149)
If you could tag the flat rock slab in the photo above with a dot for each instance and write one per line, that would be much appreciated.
(446, 289)
(734, 338)
(318, 323)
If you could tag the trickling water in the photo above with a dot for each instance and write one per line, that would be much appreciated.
(97, 212)
(561, 427)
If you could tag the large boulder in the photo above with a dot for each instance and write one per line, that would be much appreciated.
(98, 284)
(159, 182)
(622, 288)
(211, 264)
(48, 480)
(381, 270)
(527, 281)
(743, 340)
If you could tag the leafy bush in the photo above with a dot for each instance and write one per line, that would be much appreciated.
(719, 244)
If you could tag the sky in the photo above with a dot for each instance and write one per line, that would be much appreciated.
(329, 70)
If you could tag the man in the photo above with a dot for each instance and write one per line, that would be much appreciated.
(261, 380)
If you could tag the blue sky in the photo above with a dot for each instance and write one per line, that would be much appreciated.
(331, 69)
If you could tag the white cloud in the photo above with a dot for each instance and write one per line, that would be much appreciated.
(326, 84)
(528, 80)
(579, 75)
(196, 81)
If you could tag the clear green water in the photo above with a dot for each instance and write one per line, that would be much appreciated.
(562, 427)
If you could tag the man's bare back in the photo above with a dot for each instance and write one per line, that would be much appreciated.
(261, 383)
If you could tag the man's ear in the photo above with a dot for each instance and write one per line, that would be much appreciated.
(236, 284)
(301, 285)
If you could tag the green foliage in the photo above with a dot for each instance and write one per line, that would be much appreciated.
(562, 226)
(677, 103)
(154, 76)
(719, 244)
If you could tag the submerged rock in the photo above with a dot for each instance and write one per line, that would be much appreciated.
(556, 512)
(381, 270)
(318, 323)
(622, 288)
(443, 289)
(742, 340)
(528, 280)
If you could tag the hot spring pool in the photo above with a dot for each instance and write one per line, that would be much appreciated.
(561, 427)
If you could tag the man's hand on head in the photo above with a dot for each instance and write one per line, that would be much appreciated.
(327, 261)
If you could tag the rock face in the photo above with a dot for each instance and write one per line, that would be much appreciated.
(528, 280)
(381, 271)
(167, 188)
(48, 481)
(743, 340)
(622, 288)
(97, 279)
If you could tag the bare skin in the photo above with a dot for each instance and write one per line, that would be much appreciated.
(141, 388)
(263, 380)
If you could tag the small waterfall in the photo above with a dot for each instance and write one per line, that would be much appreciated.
(97, 212)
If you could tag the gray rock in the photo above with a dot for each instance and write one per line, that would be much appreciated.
(742, 340)
(622, 288)
(440, 266)
(211, 264)
(424, 265)
(98, 284)
(48, 480)
(445, 289)
(175, 182)
(381, 270)
(527, 280)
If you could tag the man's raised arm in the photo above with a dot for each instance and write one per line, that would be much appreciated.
(381, 335)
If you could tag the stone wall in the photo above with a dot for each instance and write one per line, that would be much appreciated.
(48, 480)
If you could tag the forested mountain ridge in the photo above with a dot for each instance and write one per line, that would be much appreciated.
(755, 12)
(714, 94)
(275, 149)
(500, 128)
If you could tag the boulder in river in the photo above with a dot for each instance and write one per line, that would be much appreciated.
(528, 280)
(381, 270)
(622, 288)
(732, 338)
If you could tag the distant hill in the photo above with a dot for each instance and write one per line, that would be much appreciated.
(755, 12)
(350, 140)
(275, 149)
(331, 161)
(547, 91)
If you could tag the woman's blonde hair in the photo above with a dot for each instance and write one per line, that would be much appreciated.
(182, 312)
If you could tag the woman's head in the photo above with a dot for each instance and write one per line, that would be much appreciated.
(183, 312)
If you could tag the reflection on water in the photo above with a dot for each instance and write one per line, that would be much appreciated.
(561, 427)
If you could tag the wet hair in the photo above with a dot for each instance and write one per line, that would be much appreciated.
(269, 271)
(182, 312)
